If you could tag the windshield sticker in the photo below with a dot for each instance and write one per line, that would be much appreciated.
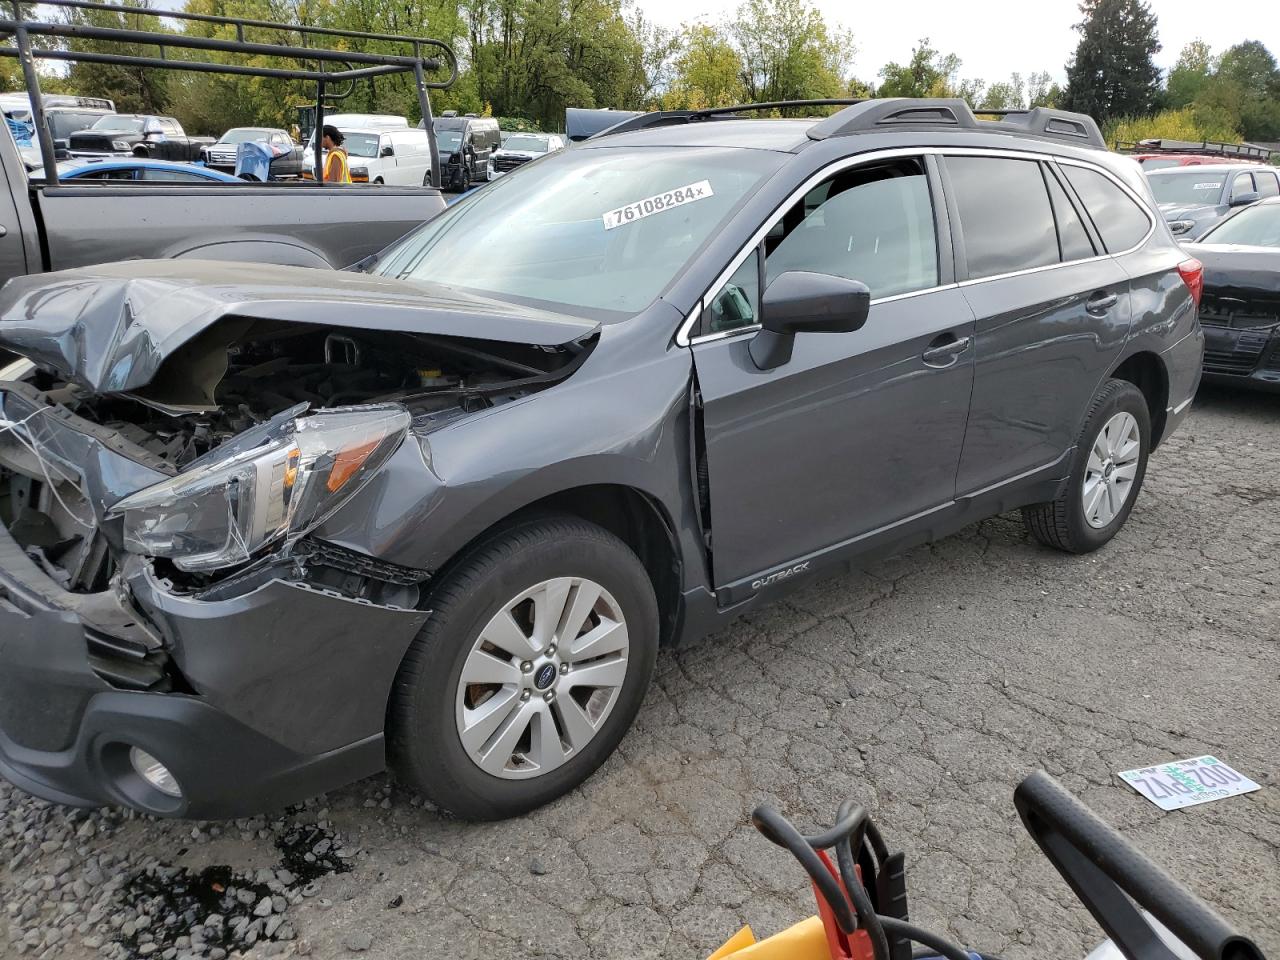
(657, 203)
(1207, 186)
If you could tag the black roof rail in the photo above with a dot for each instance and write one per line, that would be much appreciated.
(866, 115)
(666, 118)
(930, 113)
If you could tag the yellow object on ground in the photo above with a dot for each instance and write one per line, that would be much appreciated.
(807, 940)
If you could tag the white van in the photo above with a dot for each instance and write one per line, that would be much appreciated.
(353, 121)
(388, 156)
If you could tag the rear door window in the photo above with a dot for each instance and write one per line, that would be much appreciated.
(1268, 183)
(1120, 221)
(1005, 216)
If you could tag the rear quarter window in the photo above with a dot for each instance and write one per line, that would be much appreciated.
(1120, 221)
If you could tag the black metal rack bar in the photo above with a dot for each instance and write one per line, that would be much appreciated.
(1204, 148)
(351, 65)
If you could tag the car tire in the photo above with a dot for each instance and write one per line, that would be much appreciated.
(1107, 471)
(436, 744)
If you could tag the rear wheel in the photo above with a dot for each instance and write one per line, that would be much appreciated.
(529, 671)
(1107, 471)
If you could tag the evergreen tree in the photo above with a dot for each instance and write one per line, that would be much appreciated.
(1112, 72)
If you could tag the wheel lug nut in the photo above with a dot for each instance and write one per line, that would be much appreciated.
(564, 668)
(549, 696)
(524, 695)
(526, 667)
(551, 650)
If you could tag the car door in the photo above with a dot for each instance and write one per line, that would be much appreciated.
(1052, 313)
(858, 431)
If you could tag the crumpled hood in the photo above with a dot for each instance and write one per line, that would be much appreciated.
(109, 327)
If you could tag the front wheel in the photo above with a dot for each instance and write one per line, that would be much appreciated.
(530, 669)
(1107, 471)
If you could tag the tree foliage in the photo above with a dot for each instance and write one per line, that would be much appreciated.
(1113, 72)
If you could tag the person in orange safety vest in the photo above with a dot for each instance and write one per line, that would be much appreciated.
(336, 168)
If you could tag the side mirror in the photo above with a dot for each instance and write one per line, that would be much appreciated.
(1246, 198)
(387, 151)
(801, 302)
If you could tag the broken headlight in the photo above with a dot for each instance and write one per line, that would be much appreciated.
(275, 481)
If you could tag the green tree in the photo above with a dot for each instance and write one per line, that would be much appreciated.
(789, 52)
(1113, 72)
(1250, 69)
(708, 70)
(928, 73)
(1042, 91)
(1005, 95)
(1190, 74)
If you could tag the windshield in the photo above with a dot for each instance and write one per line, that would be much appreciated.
(244, 135)
(448, 140)
(1257, 226)
(119, 124)
(598, 230)
(529, 144)
(1194, 186)
(63, 125)
(361, 144)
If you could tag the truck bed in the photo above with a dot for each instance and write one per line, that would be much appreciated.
(288, 223)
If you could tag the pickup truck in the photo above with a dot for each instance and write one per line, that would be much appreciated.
(82, 223)
(160, 138)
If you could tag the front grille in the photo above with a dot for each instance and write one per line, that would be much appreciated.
(506, 164)
(92, 143)
(1241, 360)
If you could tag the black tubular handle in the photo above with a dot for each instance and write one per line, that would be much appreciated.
(1110, 875)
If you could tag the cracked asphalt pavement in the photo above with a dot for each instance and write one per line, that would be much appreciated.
(926, 686)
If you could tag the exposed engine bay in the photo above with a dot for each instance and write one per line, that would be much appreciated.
(246, 375)
(212, 390)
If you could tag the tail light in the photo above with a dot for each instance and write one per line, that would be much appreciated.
(1192, 273)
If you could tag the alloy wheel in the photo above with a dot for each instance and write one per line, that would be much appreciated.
(542, 678)
(1111, 470)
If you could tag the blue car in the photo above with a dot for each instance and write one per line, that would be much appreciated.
(138, 168)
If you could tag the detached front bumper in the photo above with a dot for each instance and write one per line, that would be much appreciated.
(264, 699)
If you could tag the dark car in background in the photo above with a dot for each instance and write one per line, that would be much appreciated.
(1194, 198)
(161, 138)
(267, 530)
(286, 164)
(467, 146)
(1240, 310)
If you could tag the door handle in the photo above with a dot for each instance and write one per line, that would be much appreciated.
(4, 231)
(943, 352)
(1101, 302)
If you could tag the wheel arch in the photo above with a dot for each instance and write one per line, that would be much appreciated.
(636, 518)
(1146, 371)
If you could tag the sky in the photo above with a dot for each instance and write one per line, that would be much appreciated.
(994, 38)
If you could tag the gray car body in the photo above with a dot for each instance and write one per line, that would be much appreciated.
(1202, 216)
(55, 228)
(786, 494)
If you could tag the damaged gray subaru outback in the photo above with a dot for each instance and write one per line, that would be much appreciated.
(268, 530)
